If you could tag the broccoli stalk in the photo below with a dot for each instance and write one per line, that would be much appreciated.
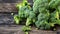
(28, 21)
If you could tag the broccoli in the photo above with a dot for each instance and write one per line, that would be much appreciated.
(17, 19)
(42, 18)
(26, 28)
(31, 18)
(40, 4)
(48, 13)
(54, 16)
(44, 13)
(54, 3)
(28, 21)
(23, 9)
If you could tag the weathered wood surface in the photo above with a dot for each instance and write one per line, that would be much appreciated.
(6, 18)
(17, 29)
(9, 1)
(10, 5)
(13, 1)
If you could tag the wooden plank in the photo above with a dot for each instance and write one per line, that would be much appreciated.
(10, 5)
(6, 19)
(9, 1)
(18, 30)
(13, 1)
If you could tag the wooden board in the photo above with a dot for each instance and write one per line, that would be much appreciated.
(10, 5)
(17, 29)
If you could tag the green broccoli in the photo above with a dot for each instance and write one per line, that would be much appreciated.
(26, 28)
(42, 20)
(40, 4)
(31, 18)
(48, 13)
(17, 19)
(54, 3)
(28, 21)
(54, 16)
(23, 10)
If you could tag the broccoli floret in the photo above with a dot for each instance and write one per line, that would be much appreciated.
(31, 18)
(26, 28)
(17, 19)
(54, 3)
(40, 4)
(54, 16)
